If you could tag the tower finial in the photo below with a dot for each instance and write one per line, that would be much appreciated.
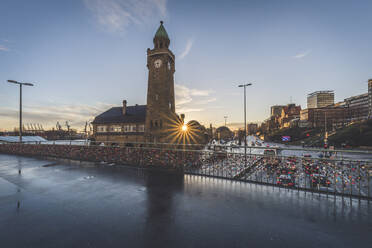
(161, 22)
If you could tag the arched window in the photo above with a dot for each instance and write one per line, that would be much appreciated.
(156, 123)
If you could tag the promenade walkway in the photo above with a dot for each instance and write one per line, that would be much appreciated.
(58, 204)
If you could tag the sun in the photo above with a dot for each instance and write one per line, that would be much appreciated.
(184, 128)
(178, 132)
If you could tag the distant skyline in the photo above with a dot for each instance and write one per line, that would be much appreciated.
(85, 56)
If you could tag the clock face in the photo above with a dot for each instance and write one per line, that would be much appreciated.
(157, 63)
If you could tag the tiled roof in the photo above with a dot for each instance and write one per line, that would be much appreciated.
(134, 114)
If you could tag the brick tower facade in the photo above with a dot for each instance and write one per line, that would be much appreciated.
(160, 110)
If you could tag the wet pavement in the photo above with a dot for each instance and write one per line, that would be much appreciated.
(71, 204)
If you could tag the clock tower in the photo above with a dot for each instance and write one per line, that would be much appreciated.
(160, 110)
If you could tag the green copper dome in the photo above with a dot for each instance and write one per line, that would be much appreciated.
(161, 33)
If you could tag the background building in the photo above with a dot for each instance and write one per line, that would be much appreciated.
(276, 110)
(370, 97)
(252, 128)
(327, 116)
(289, 112)
(224, 133)
(357, 107)
(320, 99)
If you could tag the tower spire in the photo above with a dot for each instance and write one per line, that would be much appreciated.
(161, 39)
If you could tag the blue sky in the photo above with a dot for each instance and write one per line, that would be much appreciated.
(88, 55)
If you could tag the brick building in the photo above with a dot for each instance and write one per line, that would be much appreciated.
(145, 123)
(320, 117)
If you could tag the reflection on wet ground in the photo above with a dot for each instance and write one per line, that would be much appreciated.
(71, 204)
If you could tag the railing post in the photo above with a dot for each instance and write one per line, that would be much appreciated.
(343, 181)
(351, 182)
(359, 179)
(334, 179)
(368, 176)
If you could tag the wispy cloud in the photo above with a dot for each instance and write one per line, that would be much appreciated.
(302, 54)
(187, 50)
(3, 48)
(75, 114)
(192, 100)
(117, 15)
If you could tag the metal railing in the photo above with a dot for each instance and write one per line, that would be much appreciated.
(334, 172)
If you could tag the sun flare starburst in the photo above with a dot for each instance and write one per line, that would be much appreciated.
(179, 132)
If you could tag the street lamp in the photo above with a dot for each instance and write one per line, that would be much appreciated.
(245, 122)
(20, 104)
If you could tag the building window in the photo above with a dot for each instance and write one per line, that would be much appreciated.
(116, 129)
(101, 129)
(126, 128)
(141, 128)
(156, 97)
(133, 128)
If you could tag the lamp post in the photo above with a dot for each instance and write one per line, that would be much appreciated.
(245, 123)
(20, 104)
